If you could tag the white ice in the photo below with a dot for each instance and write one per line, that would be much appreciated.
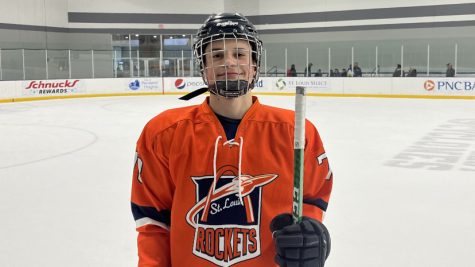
(66, 170)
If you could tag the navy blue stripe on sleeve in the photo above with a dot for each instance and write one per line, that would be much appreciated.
(140, 212)
(320, 203)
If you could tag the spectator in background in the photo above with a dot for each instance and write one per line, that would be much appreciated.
(332, 74)
(336, 73)
(292, 72)
(318, 73)
(375, 72)
(398, 72)
(357, 70)
(343, 73)
(308, 70)
(412, 72)
(450, 71)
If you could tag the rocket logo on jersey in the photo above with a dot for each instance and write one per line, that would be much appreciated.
(227, 223)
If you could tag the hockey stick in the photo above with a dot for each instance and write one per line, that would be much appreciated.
(299, 145)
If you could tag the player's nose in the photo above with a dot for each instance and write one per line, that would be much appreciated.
(230, 59)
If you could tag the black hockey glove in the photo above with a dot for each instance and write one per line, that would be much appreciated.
(306, 244)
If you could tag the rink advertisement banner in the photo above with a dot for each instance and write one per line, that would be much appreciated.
(346, 86)
(52, 87)
(182, 84)
(435, 86)
(144, 85)
(429, 87)
(91, 86)
(288, 85)
(263, 85)
(124, 85)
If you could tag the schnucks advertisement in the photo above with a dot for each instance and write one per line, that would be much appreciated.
(52, 87)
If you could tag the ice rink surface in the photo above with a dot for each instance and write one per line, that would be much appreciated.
(404, 188)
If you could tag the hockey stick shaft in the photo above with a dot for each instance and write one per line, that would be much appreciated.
(299, 146)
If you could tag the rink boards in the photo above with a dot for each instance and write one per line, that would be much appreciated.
(414, 87)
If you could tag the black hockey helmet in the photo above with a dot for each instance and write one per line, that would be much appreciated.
(228, 26)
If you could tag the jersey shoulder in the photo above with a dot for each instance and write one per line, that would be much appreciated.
(172, 117)
(275, 115)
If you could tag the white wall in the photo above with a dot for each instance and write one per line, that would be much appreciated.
(55, 12)
(22, 12)
(267, 7)
(147, 6)
(256, 7)
(395, 34)
(35, 12)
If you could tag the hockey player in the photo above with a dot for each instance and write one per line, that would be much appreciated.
(212, 183)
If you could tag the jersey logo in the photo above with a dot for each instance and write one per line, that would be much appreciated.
(227, 227)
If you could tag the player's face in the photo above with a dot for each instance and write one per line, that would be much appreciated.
(229, 59)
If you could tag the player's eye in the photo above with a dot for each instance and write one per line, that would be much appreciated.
(217, 55)
(240, 54)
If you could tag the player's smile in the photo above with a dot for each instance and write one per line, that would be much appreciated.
(231, 75)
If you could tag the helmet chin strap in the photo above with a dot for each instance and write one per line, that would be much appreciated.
(230, 89)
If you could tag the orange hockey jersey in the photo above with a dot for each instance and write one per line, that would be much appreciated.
(199, 199)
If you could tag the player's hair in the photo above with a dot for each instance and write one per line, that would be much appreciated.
(228, 26)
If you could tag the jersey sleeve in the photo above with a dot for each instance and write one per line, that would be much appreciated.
(318, 176)
(151, 199)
